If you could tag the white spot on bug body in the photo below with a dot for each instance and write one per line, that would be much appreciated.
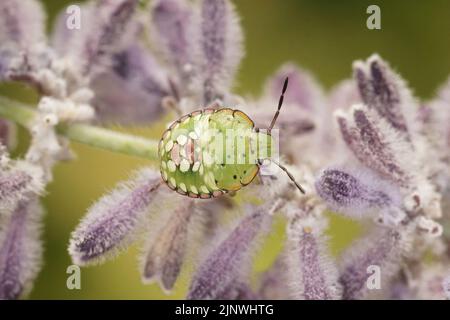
(193, 135)
(164, 165)
(201, 170)
(183, 187)
(169, 146)
(173, 182)
(193, 189)
(204, 189)
(171, 165)
(184, 165)
(182, 139)
(164, 173)
(196, 166)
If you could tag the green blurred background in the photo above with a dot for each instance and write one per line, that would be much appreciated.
(321, 36)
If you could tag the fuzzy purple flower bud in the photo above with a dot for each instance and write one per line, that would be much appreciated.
(273, 282)
(383, 250)
(238, 291)
(17, 182)
(133, 91)
(311, 274)
(446, 286)
(384, 91)
(376, 145)
(173, 22)
(166, 251)
(355, 192)
(109, 23)
(229, 261)
(20, 249)
(221, 48)
(110, 224)
(22, 23)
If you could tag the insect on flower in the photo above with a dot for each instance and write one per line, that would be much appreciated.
(213, 151)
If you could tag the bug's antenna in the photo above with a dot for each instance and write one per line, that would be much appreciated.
(280, 103)
(289, 175)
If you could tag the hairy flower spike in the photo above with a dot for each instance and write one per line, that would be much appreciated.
(136, 83)
(20, 249)
(22, 23)
(312, 275)
(356, 192)
(166, 252)
(446, 286)
(229, 260)
(173, 22)
(273, 282)
(384, 91)
(110, 22)
(221, 47)
(110, 224)
(17, 181)
(375, 145)
(384, 249)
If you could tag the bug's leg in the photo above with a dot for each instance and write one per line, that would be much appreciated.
(289, 175)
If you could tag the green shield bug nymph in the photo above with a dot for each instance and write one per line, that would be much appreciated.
(210, 152)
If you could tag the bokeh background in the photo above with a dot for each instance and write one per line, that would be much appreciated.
(322, 36)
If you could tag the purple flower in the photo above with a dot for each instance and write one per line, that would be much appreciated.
(375, 145)
(311, 273)
(273, 282)
(110, 224)
(384, 91)
(356, 192)
(229, 261)
(136, 83)
(20, 249)
(173, 21)
(17, 182)
(22, 23)
(109, 23)
(220, 48)
(384, 249)
(167, 249)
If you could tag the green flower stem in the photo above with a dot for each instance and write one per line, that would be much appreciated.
(83, 133)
